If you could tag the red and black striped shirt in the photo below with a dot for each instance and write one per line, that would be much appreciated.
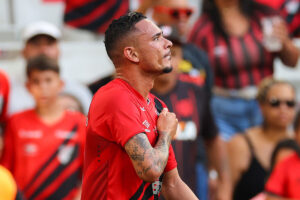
(94, 15)
(240, 62)
(290, 11)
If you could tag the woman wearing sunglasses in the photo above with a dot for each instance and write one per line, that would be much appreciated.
(231, 33)
(250, 153)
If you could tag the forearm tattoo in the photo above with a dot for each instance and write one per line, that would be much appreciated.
(145, 157)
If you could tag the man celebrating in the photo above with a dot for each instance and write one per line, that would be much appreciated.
(128, 152)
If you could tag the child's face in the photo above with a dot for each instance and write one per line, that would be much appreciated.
(44, 86)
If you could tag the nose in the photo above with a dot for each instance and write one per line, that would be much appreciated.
(169, 44)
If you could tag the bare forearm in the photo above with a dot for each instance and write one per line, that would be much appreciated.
(271, 197)
(174, 188)
(289, 54)
(218, 160)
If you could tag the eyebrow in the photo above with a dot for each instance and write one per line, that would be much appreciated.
(157, 34)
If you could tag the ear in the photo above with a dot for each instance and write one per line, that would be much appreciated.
(27, 84)
(131, 54)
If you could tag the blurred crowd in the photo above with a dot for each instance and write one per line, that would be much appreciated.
(239, 126)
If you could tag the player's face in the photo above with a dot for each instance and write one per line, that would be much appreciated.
(279, 107)
(154, 50)
(44, 86)
(41, 45)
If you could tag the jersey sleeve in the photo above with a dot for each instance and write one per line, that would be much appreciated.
(125, 121)
(172, 163)
(4, 94)
(277, 180)
(7, 159)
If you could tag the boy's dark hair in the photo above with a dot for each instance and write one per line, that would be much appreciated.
(41, 63)
(118, 29)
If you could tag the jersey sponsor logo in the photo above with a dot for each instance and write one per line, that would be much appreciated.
(30, 149)
(146, 123)
(64, 134)
(35, 134)
(65, 153)
(187, 131)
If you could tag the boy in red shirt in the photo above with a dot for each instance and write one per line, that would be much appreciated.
(43, 147)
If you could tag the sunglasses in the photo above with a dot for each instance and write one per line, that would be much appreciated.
(275, 103)
(175, 13)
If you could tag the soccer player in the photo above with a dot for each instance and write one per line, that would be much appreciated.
(128, 153)
(43, 147)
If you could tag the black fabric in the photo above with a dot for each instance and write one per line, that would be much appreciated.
(94, 87)
(139, 192)
(190, 103)
(252, 181)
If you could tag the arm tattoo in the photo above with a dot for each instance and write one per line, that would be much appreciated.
(144, 156)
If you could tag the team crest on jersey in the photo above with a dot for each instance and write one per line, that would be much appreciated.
(65, 154)
(35, 134)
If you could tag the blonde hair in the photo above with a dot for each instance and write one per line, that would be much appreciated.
(266, 84)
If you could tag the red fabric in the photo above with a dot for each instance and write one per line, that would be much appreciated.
(240, 62)
(274, 3)
(30, 143)
(4, 95)
(285, 178)
(117, 113)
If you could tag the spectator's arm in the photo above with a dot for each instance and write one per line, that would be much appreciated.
(218, 160)
(174, 188)
(289, 53)
(239, 157)
(273, 197)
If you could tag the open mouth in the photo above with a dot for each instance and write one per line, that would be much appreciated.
(168, 55)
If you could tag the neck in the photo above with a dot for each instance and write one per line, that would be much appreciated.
(140, 81)
(163, 86)
(48, 110)
(275, 134)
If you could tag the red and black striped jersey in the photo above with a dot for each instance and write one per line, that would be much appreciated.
(239, 62)
(45, 160)
(4, 94)
(290, 11)
(94, 15)
(117, 113)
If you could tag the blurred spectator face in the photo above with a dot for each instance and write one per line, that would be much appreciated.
(279, 107)
(44, 86)
(41, 44)
(173, 12)
(68, 102)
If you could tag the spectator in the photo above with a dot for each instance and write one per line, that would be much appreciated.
(231, 34)
(44, 146)
(43, 38)
(281, 184)
(189, 100)
(250, 153)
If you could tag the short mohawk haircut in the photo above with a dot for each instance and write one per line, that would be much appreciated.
(120, 28)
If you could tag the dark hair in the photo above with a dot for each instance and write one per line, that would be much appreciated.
(284, 144)
(248, 7)
(118, 29)
(297, 121)
(41, 63)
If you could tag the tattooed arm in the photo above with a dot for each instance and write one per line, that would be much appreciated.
(149, 162)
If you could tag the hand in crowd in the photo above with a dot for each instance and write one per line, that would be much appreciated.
(280, 31)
